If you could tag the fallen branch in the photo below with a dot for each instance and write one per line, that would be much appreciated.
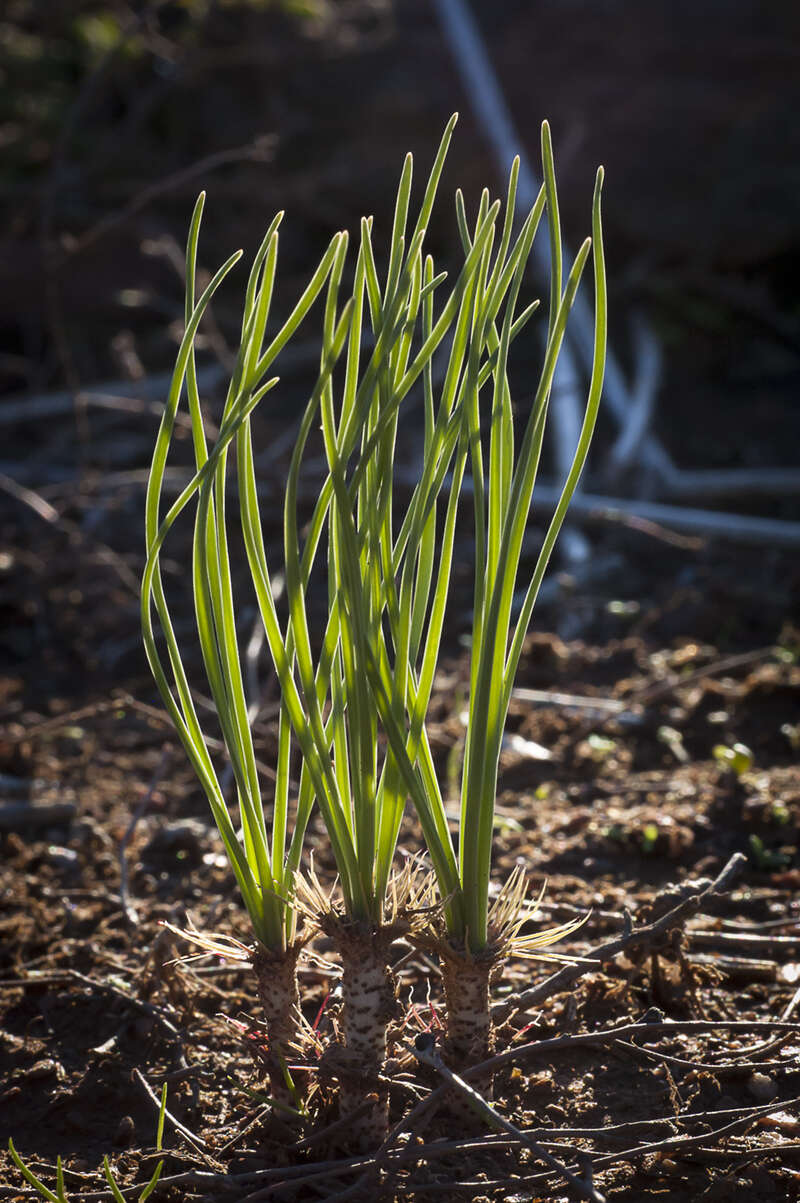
(644, 936)
(630, 407)
(483, 89)
(114, 394)
(47, 513)
(735, 482)
(652, 693)
(537, 1048)
(674, 1144)
(197, 1142)
(15, 816)
(740, 528)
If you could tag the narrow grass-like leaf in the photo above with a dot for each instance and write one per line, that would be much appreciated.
(31, 1178)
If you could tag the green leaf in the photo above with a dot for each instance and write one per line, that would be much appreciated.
(35, 1182)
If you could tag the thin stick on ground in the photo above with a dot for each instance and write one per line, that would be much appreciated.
(48, 514)
(643, 936)
(489, 104)
(524, 1052)
(672, 1144)
(559, 1044)
(197, 1142)
(769, 1046)
(425, 1051)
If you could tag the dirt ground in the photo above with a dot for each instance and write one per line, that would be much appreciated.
(104, 831)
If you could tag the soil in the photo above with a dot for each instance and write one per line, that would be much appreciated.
(104, 832)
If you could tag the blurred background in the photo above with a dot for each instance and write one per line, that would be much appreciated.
(114, 115)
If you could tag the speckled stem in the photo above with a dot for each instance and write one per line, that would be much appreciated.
(470, 1038)
(370, 1003)
(276, 978)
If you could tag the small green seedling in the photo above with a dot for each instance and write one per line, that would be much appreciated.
(601, 746)
(738, 758)
(649, 838)
(792, 733)
(674, 741)
(767, 860)
(780, 814)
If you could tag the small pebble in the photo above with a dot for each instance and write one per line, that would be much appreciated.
(762, 1087)
(62, 858)
(42, 1069)
(126, 1130)
(182, 841)
(143, 1026)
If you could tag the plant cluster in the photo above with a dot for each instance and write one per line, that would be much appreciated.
(355, 692)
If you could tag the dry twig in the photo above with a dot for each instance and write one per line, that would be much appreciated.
(426, 1052)
(642, 937)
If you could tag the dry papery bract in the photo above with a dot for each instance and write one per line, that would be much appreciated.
(355, 691)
